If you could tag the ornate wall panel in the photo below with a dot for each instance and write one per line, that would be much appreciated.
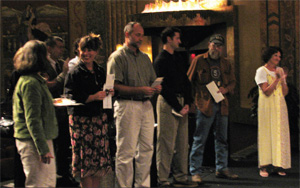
(116, 14)
(95, 11)
(51, 17)
(263, 26)
(288, 35)
(297, 64)
(77, 22)
(280, 27)
(184, 18)
(273, 23)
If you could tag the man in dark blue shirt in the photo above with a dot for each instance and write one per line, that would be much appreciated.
(172, 112)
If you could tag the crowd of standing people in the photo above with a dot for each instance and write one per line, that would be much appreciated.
(41, 129)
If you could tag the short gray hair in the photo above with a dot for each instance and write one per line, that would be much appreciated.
(129, 27)
(51, 41)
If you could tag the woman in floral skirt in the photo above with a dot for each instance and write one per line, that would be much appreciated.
(89, 122)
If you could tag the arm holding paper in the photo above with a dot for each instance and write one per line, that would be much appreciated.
(106, 94)
(109, 91)
(158, 89)
(157, 85)
(99, 96)
(223, 90)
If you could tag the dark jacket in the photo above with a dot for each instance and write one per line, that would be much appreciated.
(56, 90)
(81, 83)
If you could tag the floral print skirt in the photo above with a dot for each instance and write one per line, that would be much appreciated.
(90, 146)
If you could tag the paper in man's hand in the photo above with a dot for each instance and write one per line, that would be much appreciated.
(176, 113)
(157, 82)
(213, 89)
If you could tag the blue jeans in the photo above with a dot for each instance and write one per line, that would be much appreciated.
(203, 125)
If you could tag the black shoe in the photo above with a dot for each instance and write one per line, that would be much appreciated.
(184, 184)
(164, 184)
(67, 181)
(226, 175)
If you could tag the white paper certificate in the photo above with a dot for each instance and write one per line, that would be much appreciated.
(110, 79)
(107, 101)
(213, 89)
(157, 81)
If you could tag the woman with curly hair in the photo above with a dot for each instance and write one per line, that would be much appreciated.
(89, 122)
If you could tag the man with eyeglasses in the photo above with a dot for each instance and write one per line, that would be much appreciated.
(207, 67)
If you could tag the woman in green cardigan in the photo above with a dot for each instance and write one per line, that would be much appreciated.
(34, 116)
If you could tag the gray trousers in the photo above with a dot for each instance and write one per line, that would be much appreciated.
(172, 143)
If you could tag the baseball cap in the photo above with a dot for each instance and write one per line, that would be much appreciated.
(217, 39)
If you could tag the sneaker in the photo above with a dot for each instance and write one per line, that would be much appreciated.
(196, 178)
(184, 184)
(226, 174)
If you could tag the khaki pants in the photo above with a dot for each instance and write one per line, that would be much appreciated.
(37, 174)
(135, 129)
(172, 143)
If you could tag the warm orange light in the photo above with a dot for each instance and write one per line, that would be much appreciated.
(146, 47)
(148, 50)
(150, 55)
(181, 5)
(118, 46)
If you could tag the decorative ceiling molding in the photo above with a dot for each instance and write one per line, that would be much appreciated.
(185, 18)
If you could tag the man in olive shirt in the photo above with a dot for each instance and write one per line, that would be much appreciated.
(134, 75)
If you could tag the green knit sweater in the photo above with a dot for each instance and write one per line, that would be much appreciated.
(33, 112)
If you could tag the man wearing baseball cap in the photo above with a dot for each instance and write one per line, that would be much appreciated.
(205, 68)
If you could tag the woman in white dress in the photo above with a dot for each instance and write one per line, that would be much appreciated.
(273, 125)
